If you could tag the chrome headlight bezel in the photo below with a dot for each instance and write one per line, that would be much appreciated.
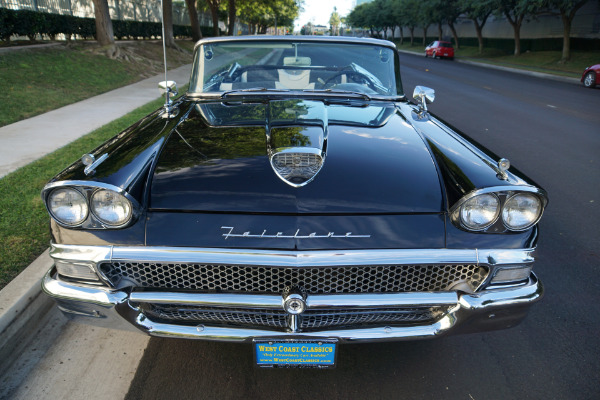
(504, 194)
(525, 227)
(61, 220)
(94, 210)
(490, 222)
(87, 189)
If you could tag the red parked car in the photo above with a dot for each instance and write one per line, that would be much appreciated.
(440, 49)
(589, 78)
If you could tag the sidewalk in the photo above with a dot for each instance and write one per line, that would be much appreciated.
(28, 316)
(30, 139)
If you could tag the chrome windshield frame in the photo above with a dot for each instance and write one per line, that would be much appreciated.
(399, 96)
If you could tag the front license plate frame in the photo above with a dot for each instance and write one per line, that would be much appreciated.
(295, 353)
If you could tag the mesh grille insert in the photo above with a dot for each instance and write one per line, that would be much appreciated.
(315, 280)
(312, 319)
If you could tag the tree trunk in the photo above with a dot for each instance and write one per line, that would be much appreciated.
(516, 24)
(193, 13)
(412, 35)
(401, 35)
(454, 34)
(567, 19)
(479, 28)
(439, 31)
(517, 30)
(231, 28)
(214, 13)
(566, 50)
(425, 36)
(167, 10)
(104, 28)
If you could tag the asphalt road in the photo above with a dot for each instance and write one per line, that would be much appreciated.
(548, 129)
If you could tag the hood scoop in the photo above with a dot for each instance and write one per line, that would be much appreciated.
(296, 140)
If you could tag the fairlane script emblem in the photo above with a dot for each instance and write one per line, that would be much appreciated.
(280, 235)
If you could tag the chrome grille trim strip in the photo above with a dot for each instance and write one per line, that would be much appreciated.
(227, 300)
(309, 258)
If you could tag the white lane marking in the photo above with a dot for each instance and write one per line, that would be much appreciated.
(551, 106)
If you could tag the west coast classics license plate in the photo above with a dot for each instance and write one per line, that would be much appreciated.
(294, 353)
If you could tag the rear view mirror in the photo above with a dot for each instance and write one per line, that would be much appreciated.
(168, 87)
(423, 95)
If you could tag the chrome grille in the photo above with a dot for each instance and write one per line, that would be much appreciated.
(315, 280)
(320, 319)
(232, 316)
(311, 319)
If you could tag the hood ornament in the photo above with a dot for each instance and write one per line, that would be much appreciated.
(297, 140)
(297, 166)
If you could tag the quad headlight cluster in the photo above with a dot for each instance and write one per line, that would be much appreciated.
(95, 207)
(515, 210)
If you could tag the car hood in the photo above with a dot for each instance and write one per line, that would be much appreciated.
(218, 159)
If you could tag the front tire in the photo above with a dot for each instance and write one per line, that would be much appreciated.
(590, 79)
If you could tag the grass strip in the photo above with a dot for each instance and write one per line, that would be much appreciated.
(34, 81)
(24, 221)
(539, 61)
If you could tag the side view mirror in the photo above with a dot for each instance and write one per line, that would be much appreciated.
(168, 87)
(423, 95)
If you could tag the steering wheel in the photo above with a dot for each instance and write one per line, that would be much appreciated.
(356, 76)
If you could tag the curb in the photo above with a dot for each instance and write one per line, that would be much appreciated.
(22, 306)
(536, 74)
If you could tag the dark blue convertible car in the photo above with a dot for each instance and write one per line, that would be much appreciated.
(295, 199)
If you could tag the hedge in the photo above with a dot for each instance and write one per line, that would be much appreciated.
(32, 23)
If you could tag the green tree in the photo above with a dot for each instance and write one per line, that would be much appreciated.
(334, 22)
(261, 14)
(478, 11)
(567, 10)
(412, 17)
(426, 15)
(515, 12)
(452, 11)
(213, 6)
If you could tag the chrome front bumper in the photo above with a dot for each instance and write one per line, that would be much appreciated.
(488, 309)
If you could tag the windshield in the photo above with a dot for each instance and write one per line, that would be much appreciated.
(295, 66)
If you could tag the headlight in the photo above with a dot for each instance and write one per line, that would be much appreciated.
(110, 207)
(480, 211)
(521, 211)
(68, 206)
